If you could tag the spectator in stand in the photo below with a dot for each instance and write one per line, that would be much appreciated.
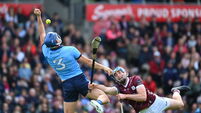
(22, 104)
(195, 84)
(170, 75)
(11, 15)
(133, 56)
(5, 108)
(100, 27)
(78, 39)
(5, 53)
(176, 33)
(25, 70)
(20, 16)
(112, 35)
(156, 68)
(123, 24)
(198, 110)
(133, 23)
(150, 84)
(31, 22)
(113, 59)
(180, 47)
(145, 55)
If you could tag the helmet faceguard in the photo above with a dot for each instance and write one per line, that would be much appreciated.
(116, 70)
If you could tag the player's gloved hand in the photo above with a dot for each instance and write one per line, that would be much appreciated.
(37, 12)
(108, 70)
(121, 96)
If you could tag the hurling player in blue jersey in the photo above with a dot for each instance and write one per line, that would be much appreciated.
(64, 60)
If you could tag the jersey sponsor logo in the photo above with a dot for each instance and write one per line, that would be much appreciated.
(133, 87)
(139, 82)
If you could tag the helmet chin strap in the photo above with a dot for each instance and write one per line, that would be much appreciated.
(59, 41)
(54, 47)
(117, 81)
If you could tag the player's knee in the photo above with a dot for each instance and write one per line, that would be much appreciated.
(107, 100)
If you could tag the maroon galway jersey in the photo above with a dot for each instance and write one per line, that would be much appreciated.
(130, 88)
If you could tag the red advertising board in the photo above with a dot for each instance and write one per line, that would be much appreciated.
(26, 8)
(161, 12)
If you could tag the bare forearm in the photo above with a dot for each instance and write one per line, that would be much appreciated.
(97, 66)
(41, 29)
(107, 90)
(101, 87)
(136, 97)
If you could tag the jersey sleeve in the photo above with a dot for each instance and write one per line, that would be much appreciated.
(76, 53)
(137, 80)
(44, 49)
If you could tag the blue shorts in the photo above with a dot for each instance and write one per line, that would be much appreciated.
(75, 86)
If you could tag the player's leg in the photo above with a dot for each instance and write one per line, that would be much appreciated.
(95, 94)
(162, 103)
(69, 107)
(99, 98)
(70, 96)
(176, 102)
(159, 105)
(98, 95)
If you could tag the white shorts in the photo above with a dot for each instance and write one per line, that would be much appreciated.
(159, 105)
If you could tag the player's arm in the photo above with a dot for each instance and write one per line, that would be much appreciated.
(107, 90)
(97, 66)
(41, 28)
(140, 96)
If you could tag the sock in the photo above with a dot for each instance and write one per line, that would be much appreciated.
(100, 102)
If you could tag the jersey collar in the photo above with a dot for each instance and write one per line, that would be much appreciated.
(127, 81)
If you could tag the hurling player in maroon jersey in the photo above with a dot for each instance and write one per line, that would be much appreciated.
(132, 91)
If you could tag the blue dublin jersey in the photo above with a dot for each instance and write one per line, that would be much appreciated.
(63, 61)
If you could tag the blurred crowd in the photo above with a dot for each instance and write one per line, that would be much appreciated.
(144, 1)
(164, 54)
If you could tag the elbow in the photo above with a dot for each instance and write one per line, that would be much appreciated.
(144, 98)
(107, 100)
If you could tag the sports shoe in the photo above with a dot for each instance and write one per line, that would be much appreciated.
(96, 105)
(182, 89)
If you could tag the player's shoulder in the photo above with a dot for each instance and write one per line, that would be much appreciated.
(44, 48)
(66, 47)
(135, 77)
(69, 47)
(135, 80)
(43, 45)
